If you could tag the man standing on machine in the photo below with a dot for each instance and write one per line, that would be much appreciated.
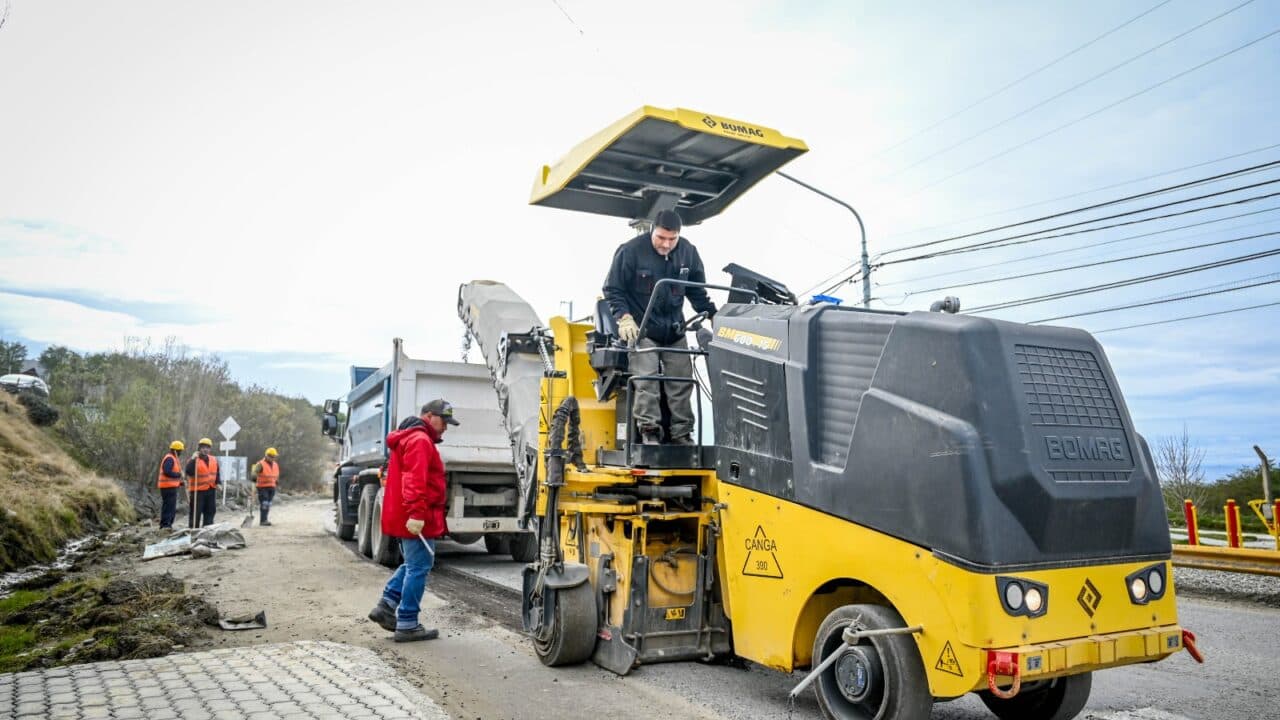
(638, 265)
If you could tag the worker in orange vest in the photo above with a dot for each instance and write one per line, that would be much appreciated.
(202, 485)
(266, 472)
(169, 480)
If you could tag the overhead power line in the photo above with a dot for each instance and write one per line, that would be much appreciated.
(1087, 246)
(1126, 282)
(1020, 80)
(1097, 263)
(1068, 91)
(1188, 296)
(1097, 206)
(1094, 113)
(1187, 317)
(1024, 239)
(1060, 198)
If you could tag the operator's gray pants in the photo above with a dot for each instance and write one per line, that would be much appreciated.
(647, 411)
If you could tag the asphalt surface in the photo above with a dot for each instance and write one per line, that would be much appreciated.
(1237, 681)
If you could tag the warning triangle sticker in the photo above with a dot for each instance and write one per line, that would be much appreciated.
(947, 661)
(762, 558)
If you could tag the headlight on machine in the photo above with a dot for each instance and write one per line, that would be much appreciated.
(1022, 597)
(1146, 584)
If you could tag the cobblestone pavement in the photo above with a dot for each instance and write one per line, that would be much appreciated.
(264, 682)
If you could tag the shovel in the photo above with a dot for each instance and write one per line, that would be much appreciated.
(248, 519)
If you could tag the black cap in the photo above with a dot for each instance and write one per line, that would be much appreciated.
(442, 409)
(668, 220)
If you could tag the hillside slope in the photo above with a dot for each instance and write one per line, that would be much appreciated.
(46, 498)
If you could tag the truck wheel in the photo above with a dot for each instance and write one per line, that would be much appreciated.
(386, 548)
(524, 547)
(346, 530)
(464, 538)
(881, 677)
(497, 544)
(364, 542)
(573, 627)
(1058, 699)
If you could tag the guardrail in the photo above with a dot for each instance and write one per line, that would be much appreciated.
(1229, 559)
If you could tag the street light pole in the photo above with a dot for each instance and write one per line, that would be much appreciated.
(866, 262)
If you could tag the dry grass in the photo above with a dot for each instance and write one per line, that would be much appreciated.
(46, 498)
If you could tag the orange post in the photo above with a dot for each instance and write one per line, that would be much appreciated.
(1233, 523)
(1193, 525)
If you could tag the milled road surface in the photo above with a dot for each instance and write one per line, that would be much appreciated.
(314, 587)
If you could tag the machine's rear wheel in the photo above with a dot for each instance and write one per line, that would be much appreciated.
(364, 536)
(497, 544)
(573, 629)
(524, 547)
(464, 538)
(1058, 699)
(881, 678)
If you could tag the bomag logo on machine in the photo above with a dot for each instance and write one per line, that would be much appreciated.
(1074, 447)
(734, 128)
(742, 337)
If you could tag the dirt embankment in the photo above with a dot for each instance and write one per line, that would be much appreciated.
(46, 499)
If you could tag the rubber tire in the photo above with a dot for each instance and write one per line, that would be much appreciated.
(465, 538)
(345, 532)
(364, 534)
(573, 632)
(497, 544)
(524, 547)
(1058, 699)
(906, 693)
(386, 548)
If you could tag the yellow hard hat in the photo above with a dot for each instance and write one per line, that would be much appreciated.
(271, 452)
(177, 445)
(206, 441)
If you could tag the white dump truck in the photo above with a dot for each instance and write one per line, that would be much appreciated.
(483, 489)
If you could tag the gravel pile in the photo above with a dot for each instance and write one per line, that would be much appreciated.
(1259, 589)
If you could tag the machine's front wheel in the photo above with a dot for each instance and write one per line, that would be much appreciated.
(1058, 699)
(364, 513)
(572, 635)
(880, 678)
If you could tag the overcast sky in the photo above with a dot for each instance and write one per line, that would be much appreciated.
(290, 185)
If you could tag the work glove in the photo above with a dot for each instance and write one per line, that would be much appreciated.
(414, 526)
(628, 330)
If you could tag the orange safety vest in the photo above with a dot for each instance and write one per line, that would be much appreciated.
(164, 483)
(206, 474)
(268, 473)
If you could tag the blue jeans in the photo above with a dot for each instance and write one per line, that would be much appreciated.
(404, 589)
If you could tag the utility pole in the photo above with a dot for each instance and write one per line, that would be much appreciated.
(866, 263)
(1266, 475)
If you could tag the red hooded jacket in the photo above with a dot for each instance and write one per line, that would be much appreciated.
(415, 487)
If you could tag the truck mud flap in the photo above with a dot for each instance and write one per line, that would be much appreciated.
(612, 652)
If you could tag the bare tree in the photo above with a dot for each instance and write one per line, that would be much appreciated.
(1178, 463)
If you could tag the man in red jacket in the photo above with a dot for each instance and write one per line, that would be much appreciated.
(413, 506)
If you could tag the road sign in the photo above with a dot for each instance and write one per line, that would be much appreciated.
(227, 445)
(229, 427)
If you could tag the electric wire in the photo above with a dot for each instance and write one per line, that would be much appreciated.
(1089, 246)
(1097, 263)
(1112, 186)
(1020, 80)
(1063, 93)
(1126, 282)
(1149, 303)
(1093, 114)
(1096, 206)
(1027, 237)
(1187, 317)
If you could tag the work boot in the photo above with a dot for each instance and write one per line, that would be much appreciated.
(651, 437)
(384, 615)
(416, 634)
(265, 523)
(263, 520)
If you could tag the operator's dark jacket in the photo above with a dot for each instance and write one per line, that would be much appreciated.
(637, 267)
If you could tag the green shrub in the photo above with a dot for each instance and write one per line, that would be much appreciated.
(39, 411)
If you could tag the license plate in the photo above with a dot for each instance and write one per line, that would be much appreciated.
(675, 613)
(491, 524)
